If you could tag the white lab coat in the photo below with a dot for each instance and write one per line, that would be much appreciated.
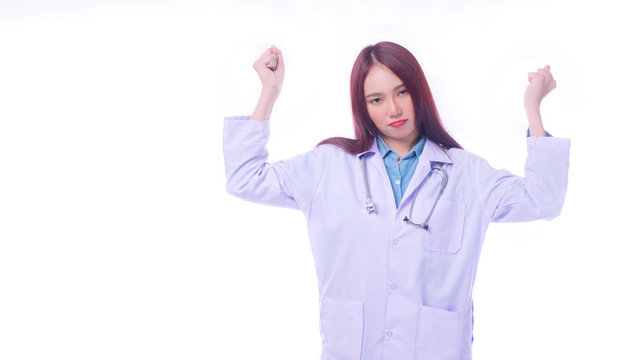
(390, 290)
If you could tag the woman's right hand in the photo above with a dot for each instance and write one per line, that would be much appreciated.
(271, 70)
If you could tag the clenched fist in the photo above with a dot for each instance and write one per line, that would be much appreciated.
(271, 70)
(541, 83)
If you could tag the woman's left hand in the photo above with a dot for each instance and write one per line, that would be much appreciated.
(541, 83)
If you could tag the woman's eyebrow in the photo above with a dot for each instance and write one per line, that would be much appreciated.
(373, 94)
(395, 89)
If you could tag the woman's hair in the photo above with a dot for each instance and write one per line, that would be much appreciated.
(402, 63)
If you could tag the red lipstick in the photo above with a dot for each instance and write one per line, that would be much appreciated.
(398, 123)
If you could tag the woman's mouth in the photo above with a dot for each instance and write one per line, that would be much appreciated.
(398, 123)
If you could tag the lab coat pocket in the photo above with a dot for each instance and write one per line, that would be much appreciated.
(438, 334)
(342, 326)
(445, 226)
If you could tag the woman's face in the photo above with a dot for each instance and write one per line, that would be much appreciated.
(390, 107)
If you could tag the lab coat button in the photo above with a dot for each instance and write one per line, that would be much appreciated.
(395, 242)
(389, 333)
(393, 286)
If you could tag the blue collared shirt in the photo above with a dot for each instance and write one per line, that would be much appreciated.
(400, 173)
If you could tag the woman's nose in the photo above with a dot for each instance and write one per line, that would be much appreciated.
(394, 108)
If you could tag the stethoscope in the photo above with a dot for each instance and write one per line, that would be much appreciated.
(370, 206)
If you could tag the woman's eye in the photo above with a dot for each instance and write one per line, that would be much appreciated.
(403, 92)
(376, 100)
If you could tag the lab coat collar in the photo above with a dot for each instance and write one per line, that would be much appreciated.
(434, 153)
(372, 150)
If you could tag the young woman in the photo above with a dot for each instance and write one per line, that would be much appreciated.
(396, 216)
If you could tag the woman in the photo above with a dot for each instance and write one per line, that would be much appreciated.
(396, 216)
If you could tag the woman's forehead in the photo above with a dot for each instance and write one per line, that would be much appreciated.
(381, 77)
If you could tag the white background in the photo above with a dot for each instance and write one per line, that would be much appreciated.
(119, 241)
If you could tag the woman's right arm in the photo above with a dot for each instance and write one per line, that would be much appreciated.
(288, 183)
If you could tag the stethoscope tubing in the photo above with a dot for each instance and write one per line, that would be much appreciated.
(370, 205)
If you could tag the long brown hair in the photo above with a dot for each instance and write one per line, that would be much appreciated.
(402, 63)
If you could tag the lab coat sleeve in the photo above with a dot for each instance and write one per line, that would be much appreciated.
(288, 183)
(540, 194)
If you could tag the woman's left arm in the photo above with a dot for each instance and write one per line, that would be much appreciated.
(540, 194)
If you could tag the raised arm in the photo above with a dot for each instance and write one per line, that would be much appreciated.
(289, 183)
(540, 194)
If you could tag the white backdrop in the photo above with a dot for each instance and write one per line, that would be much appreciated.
(119, 241)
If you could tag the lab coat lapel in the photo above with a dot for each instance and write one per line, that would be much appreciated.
(375, 165)
(373, 157)
(432, 153)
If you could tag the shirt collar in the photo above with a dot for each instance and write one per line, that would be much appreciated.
(384, 149)
(430, 151)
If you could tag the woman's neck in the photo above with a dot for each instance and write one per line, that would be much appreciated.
(402, 147)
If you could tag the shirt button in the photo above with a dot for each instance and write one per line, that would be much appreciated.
(389, 333)
(393, 286)
(397, 182)
(395, 242)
